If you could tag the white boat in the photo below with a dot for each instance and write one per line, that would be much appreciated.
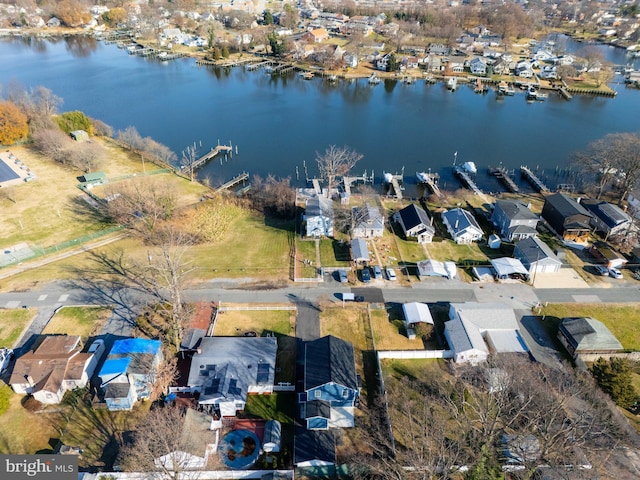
(452, 84)
(332, 78)
(505, 89)
(162, 55)
(388, 177)
(422, 177)
(470, 167)
(534, 94)
(374, 79)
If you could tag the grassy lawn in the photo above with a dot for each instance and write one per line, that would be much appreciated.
(391, 334)
(48, 210)
(418, 369)
(12, 324)
(251, 248)
(277, 406)
(621, 319)
(334, 253)
(347, 323)
(237, 322)
(447, 250)
(82, 321)
(388, 250)
(16, 422)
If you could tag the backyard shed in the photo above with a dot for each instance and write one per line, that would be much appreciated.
(272, 436)
(359, 250)
(79, 135)
(417, 312)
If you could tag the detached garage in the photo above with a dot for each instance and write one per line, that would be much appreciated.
(536, 256)
(416, 312)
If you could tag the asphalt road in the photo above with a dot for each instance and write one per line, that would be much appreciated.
(519, 296)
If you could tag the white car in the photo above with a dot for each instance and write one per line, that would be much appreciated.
(615, 273)
(6, 355)
(391, 274)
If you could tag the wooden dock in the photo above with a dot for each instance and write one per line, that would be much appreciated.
(348, 181)
(316, 186)
(466, 180)
(212, 153)
(395, 184)
(243, 177)
(502, 174)
(431, 181)
(533, 179)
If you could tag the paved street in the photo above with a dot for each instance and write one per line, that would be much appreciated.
(519, 296)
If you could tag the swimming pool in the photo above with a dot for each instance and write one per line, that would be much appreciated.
(239, 449)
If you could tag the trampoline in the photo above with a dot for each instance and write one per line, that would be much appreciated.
(239, 449)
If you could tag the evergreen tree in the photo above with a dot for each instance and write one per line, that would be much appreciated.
(225, 52)
(614, 378)
(268, 17)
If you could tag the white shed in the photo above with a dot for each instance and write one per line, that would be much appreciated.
(416, 312)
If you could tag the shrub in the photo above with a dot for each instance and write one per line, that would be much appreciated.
(5, 396)
(76, 120)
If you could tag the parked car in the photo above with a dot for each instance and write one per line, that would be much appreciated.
(366, 275)
(615, 273)
(391, 274)
(342, 276)
(602, 271)
(377, 272)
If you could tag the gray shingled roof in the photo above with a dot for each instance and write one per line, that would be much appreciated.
(329, 359)
(588, 334)
(516, 210)
(314, 445)
(412, 215)
(533, 250)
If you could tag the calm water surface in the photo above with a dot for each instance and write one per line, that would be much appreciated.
(278, 123)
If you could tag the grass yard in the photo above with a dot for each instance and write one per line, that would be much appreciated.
(388, 250)
(347, 323)
(391, 334)
(24, 432)
(447, 250)
(12, 324)
(48, 210)
(237, 322)
(82, 321)
(277, 406)
(415, 369)
(621, 319)
(251, 247)
(334, 253)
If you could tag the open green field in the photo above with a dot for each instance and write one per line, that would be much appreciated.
(12, 324)
(448, 250)
(347, 323)
(237, 322)
(621, 319)
(334, 253)
(82, 321)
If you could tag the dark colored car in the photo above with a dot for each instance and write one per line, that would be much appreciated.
(366, 275)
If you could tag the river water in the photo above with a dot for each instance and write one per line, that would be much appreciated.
(279, 123)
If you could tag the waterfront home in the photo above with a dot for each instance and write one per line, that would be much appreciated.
(129, 371)
(514, 220)
(548, 72)
(587, 335)
(415, 223)
(567, 218)
(317, 35)
(478, 66)
(456, 64)
(607, 218)
(331, 385)
(319, 217)
(462, 226)
(524, 69)
(366, 222)
(225, 370)
(536, 256)
(439, 49)
(55, 366)
(475, 329)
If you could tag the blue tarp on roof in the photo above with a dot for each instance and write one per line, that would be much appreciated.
(115, 366)
(135, 345)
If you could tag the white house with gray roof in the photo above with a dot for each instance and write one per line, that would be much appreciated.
(366, 222)
(477, 329)
(225, 370)
(318, 216)
(514, 220)
(462, 226)
(536, 256)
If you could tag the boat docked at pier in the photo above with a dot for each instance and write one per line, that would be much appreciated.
(534, 94)
(505, 90)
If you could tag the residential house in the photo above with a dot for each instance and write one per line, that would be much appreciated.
(514, 220)
(317, 35)
(350, 60)
(456, 64)
(415, 223)
(548, 72)
(607, 255)
(587, 335)
(439, 49)
(382, 63)
(607, 218)
(476, 329)
(366, 222)
(55, 366)
(524, 69)
(478, 66)
(462, 226)
(331, 386)
(227, 369)
(567, 218)
(536, 256)
(319, 217)
(129, 372)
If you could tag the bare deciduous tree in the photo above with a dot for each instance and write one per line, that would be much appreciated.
(336, 161)
(189, 157)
